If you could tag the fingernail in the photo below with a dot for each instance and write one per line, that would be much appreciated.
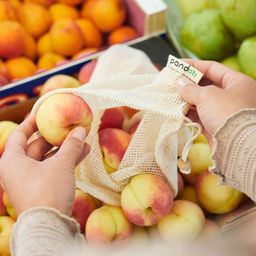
(79, 133)
(182, 82)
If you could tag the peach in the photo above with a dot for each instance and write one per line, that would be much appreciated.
(146, 199)
(91, 34)
(71, 2)
(44, 45)
(113, 143)
(122, 35)
(199, 157)
(201, 139)
(66, 37)
(84, 204)
(184, 223)
(106, 225)
(210, 231)
(6, 128)
(106, 14)
(86, 71)
(214, 197)
(84, 53)
(189, 194)
(7, 11)
(11, 39)
(190, 178)
(62, 11)
(61, 113)
(49, 60)
(59, 81)
(35, 18)
(45, 3)
(30, 50)
(129, 111)
(20, 67)
(86, 8)
(132, 124)
(2, 206)
(112, 118)
(9, 208)
(6, 225)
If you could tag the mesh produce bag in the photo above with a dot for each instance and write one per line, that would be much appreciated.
(126, 77)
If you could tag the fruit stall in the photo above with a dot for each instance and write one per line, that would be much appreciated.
(104, 64)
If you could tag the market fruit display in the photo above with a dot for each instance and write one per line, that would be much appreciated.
(38, 35)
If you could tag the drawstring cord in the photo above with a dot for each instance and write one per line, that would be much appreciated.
(183, 162)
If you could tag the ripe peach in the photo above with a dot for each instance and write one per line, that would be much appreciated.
(91, 34)
(7, 11)
(49, 60)
(83, 206)
(59, 81)
(30, 50)
(62, 11)
(9, 208)
(84, 53)
(146, 199)
(6, 128)
(201, 139)
(71, 2)
(112, 118)
(214, 197)
(106, 14)
(45, 3)
(11, 39)
(44, 45)
(122, 35)
(106, 225)
(35, 18)
(66, 37)
(6, 225)
(210, 230)
(113, 143)
(132, 124)
(199, 157)
(61, 113)
(189, 194)
(20, 67)
(129, 112)
(184, 223)
(86, 71)
(2, 206)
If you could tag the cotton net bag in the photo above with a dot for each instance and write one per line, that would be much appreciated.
(126, 77)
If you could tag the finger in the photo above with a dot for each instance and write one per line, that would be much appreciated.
(19, 138)
(85, 152)
(189, 92)
(219, 74)
(38, 148)
(72, 148)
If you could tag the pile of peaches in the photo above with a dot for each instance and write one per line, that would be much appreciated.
(149, 210)
(37, 35)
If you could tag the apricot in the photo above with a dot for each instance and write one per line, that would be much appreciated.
(44, 45)
(91, 34)
(20, 67)
(35, 18)
(30, 50)
(122, 35)
(63, 11)
(7, 11)
(66, 37)
(49, 60)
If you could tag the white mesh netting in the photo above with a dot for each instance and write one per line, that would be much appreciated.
(126, 77)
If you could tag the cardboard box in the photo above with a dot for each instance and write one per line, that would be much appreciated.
(148, 20)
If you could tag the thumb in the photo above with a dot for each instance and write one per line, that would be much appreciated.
(73, 146)
(188, 91)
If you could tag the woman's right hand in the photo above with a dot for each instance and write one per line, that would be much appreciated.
(230, 92)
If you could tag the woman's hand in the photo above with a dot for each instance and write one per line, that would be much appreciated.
(32, 179)
(231, 92)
